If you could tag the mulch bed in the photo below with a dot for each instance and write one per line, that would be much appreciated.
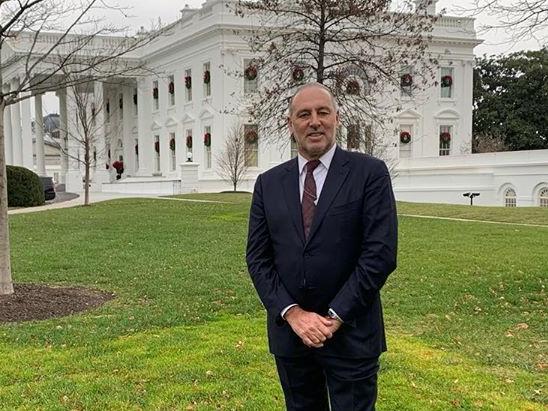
(40, 302)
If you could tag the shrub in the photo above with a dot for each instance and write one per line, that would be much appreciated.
(24, 187)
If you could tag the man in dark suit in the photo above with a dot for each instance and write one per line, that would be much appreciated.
(322, 241)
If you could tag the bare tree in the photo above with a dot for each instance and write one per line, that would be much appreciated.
(360, 49)
(522, 20)
(45, 40)
(84, 131)
(233, 160)
(488, 143)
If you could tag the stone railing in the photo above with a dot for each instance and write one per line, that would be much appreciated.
(46, 40)
(462, 23)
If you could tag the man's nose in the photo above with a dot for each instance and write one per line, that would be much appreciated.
(314, 120)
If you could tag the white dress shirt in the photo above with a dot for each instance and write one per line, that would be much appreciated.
(319, 173)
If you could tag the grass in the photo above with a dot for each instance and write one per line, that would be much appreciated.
(523, 215)
(464, 312)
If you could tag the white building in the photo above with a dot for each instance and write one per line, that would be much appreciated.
(157, 123)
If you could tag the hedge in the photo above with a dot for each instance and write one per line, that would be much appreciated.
(24, 187)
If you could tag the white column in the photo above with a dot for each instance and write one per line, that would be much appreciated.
(146, 144)
(467, 105)
(39, 134)
(8, 144)
(101, 174)
(16, 128)
(129, 150)
(63, 134)
(73, 176)
(180, 148)
(26, 133)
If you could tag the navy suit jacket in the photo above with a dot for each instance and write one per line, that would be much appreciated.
(350, 251)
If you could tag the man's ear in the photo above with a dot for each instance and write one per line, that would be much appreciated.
(290, 125)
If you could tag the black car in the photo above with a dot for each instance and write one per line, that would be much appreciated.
(49, 189)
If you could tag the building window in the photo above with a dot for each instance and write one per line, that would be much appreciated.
(355, 81)
(189, 144)
(121, 106)
(207, 79)
(136, 148)
(405, 139)
(155, 95)
(510, 197)
(171, 90)
(207, 147)
(294, 147)
(543, 197)
(353, 87)
(251, 76)
(353, 137)
(93, 114)
(447, 80)
(446, 134)
(188, 85)
(406, 82)
(107, 111)
(135, 102)
(157, 153)
(251, 145)
(172, 147)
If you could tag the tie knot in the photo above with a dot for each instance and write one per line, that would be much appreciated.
(311, 165)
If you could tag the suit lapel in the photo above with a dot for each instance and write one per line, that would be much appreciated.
(292, 195)
(338, 171)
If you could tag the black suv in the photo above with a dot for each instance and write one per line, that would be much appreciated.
(49, 190)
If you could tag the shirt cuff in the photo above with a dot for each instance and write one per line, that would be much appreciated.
(286, 309)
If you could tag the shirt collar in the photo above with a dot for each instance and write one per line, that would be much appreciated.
(325, 159)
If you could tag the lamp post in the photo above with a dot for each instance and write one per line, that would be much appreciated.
(471, 195)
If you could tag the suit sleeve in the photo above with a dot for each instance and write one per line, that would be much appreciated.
(260, 261)
(378, 248)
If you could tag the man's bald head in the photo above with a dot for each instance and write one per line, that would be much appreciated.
(312, 85)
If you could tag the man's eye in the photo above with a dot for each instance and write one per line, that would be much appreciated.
(305, 114)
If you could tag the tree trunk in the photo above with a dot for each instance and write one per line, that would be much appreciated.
(6, 284)
(86, 185)
(86, 174)
(235, 184)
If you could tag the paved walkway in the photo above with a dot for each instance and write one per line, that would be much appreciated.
(66, 200)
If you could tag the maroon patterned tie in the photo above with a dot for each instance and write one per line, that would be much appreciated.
(309, 196)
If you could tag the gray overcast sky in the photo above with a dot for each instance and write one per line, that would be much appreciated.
(145, 12)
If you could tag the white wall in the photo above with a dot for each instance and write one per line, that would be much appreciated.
(445, 179)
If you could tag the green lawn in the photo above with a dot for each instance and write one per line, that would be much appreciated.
(524, 215)
(464, 312)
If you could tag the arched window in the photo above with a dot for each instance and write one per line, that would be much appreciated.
(543, 197)
(510, 197)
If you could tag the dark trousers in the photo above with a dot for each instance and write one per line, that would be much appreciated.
(314, 382)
